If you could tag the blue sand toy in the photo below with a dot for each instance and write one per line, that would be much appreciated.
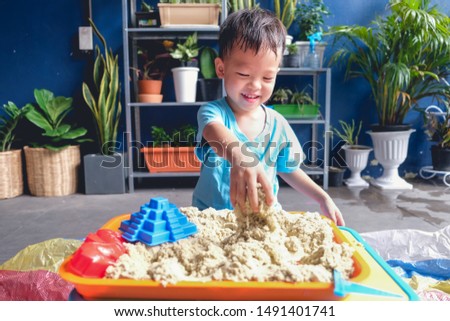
(343, 287)
(157, 222)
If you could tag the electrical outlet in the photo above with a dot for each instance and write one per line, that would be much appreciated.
(85, 38)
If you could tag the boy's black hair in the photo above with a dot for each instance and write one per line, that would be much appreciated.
(256, 29)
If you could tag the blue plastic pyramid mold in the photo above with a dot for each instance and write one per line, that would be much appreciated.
(157, 222)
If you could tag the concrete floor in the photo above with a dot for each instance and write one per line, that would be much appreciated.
(28, 220)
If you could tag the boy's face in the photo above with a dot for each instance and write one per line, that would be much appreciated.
(249, 79)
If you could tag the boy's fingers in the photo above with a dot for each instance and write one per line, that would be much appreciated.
(267, 188)
(252, 195)
(241, 193)
(233, 189)
(340, 219)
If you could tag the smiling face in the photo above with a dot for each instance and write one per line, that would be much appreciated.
(249, 79)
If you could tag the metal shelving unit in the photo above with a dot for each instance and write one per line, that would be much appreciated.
(323, 119)
(132, 35)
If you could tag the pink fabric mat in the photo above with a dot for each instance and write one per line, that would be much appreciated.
(37, 285)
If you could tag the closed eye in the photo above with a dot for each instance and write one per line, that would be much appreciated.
(268, 78)
(242, 75)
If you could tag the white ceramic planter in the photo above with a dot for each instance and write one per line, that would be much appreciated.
(185, 82)
(391, 149)
(356, 158)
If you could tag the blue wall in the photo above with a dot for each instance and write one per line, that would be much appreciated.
(39, 50)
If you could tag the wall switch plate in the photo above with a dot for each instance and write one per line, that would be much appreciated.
(85, 38)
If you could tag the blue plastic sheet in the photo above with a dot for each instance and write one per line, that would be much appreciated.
(438, 269)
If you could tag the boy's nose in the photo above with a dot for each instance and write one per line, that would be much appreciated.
(255, 83)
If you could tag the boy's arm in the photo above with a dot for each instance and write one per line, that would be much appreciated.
(246, 171)
(301, 182)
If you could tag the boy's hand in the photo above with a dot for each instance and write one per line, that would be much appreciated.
(330, 210)
(243, 182)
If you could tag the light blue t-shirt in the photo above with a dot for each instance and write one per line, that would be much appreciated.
(276, 147)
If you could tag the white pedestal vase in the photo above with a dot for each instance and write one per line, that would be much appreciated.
(185, 81)
(391, 149)
(356, 158)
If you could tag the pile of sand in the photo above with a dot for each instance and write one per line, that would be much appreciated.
(242, 246)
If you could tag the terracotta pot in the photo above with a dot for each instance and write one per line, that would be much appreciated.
(150, 98)
(150, 86)
(171, 159)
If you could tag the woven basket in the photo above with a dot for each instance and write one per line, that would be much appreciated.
(11, 177)
(51, 173)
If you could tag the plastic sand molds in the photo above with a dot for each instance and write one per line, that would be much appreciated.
(157, 222)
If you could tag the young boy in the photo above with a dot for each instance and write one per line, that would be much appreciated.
(243, 143)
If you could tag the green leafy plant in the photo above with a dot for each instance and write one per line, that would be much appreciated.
(285, 10)
(207, 66)
(286, 95)
(154, 64)
(187, 51)
(404, 57)
(160, 137)
(310, 17)
(145, 7)
(103, 99)
(190, 1)
(236, 5)
(302, 98)
(184, 136)
(292, 49)
(50, 115)
(349, 132)
(9, 122)
(281, 95)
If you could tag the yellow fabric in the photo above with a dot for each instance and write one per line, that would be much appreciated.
(47, 255)
(444, 286)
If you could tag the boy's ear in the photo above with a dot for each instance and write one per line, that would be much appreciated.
(218, 62)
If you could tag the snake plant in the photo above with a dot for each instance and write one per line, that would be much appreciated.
(103, 99)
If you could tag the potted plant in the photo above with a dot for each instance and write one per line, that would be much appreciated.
(172, 152)
(104, 172)
(438, 130)
(155, 64)
(185, 13)
(147, 16)
(210, 85)
(291, 59)
(301, 104)
(356, 156)
(185, 77)
(404, 57)
(11, 176)
(281, 96)
(53, 161)
(310, 18)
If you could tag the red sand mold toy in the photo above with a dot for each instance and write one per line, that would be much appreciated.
(98, 251)
(157, 222)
